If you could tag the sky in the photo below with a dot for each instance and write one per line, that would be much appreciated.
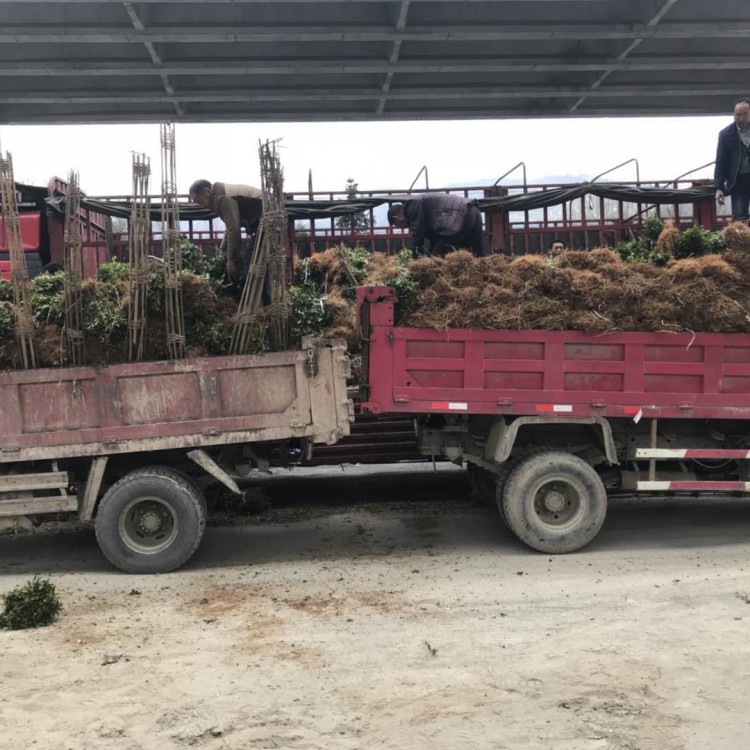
(379, 155)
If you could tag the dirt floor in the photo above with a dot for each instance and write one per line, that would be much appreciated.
(391, 612)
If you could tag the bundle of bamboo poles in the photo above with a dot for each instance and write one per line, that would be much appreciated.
(24, 320)
(170, 232)
(73, 274)
(138, 238)
(268, 259)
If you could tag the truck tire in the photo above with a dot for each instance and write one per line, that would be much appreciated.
(554, 502)
(489, 485)
(506, 469)
(482, 482)
(151, 521)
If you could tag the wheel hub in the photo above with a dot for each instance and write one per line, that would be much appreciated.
(554, 501)
(150, 522)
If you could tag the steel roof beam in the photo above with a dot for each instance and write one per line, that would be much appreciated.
(101, 115)
(138, 26)
(653, 23)
(267, 2)
(395, 50)
(327, 33)
(316, 67)
(355, 95)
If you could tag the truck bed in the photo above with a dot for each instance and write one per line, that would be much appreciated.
(85, 411)
(526, 372)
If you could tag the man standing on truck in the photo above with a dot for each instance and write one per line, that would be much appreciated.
(732, 172)
(445, 220)
(237, 206)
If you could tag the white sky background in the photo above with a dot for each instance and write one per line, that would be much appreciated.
(382, 155)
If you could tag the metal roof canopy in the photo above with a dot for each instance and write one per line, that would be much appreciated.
(303, 60)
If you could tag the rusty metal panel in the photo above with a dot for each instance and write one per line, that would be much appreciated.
(261, 390)
(193, 403)
(159, 398)
(63, 405)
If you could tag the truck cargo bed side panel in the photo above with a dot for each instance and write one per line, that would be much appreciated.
(632, 374)
(155, 405)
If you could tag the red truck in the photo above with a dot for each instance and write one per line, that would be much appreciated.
(42, 232)
(133, 446)
(548, 425)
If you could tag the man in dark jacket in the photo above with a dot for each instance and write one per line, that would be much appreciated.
(447, 221)
(237, 206)
(732, 173)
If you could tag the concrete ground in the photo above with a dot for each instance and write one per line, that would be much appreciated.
(391, 610)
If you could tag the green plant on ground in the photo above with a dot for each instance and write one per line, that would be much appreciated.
(32, 605)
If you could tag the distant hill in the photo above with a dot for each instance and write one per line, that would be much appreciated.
(515, 179)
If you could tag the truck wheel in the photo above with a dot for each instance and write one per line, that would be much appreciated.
(482, 481)
(501, 479)
(506, 469)
(151, 521)
(554, 502)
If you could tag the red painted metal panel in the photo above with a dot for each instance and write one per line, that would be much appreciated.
(30, 224)
(516, 372)
(5, 270)
(76, 411)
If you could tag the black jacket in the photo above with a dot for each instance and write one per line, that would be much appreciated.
(434, 215)
(729, 151)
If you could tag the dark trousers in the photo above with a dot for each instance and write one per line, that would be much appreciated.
(740, 195)
(469, 238)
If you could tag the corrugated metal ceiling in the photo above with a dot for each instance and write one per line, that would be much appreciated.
(253, 60)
